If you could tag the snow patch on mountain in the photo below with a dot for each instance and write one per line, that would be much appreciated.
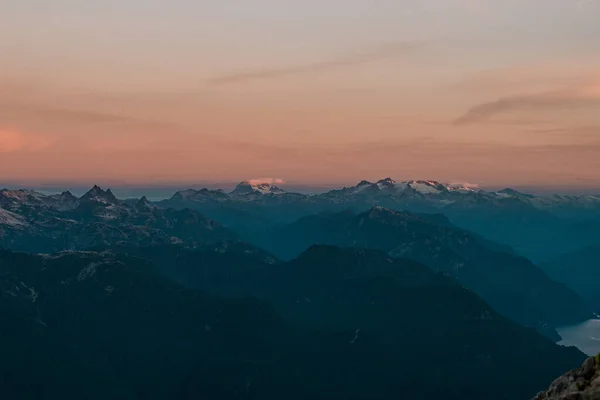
(463, 187)
(386, 183)
(11, 219)
(426, 187)
(21, 195)
(256, 186)
(362, 186)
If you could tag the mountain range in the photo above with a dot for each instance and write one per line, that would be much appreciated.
(30, 221)
(539, 227)
(512, 284)
(365, 292)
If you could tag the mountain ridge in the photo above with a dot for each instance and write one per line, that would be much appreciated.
(538, 226)
(110, 315)
(34, 222)
(500, 276)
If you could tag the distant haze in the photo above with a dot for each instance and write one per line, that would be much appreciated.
(159, 94)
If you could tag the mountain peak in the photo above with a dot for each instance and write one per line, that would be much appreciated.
(184, 194)
(387, 181)
(249, 187)
(144, 204)
(63, 201)
(96, 193)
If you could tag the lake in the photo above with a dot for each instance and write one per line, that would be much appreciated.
(585, 336)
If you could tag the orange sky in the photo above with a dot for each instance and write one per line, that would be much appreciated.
(338, 92)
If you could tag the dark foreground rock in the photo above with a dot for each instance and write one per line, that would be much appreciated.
(582, 383)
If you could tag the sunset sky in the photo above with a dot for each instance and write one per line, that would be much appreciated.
(313, 91)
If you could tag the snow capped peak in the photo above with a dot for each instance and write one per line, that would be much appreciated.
(362, 186)
(253, 186)
(386, 183)
(463, 187)
(435, 184)
(390, 186)
(427, 187)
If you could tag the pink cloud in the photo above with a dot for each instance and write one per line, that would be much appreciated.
(577, 97)
(13, 141)
(269, 181)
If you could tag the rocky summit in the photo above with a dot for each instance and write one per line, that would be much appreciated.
(582, 383)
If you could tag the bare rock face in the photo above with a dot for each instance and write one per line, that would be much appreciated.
(582, 383)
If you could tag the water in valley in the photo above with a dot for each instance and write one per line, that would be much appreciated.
(584, 336)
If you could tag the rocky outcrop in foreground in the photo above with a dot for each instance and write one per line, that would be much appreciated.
(582, 383)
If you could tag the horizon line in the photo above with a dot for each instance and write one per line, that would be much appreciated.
(561, 188)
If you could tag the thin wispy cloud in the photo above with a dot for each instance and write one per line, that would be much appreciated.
(579, 133)
(380, 53)
(29, 100)
(580, 97)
